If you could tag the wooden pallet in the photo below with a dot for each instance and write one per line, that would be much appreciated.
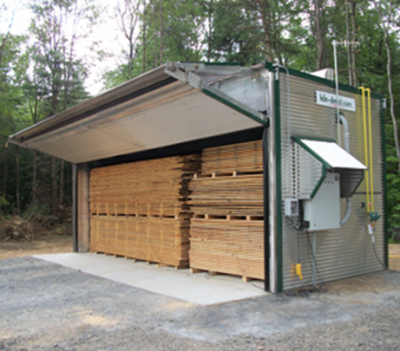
(228, 217)
(134, 260)
(212, 273)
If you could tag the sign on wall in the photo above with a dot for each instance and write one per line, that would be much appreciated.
(329, 100)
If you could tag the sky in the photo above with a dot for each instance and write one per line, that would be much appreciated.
(106, 33)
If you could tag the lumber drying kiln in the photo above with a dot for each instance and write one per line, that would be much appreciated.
(322, 153)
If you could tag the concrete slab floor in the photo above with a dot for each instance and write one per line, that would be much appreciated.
(199, 288)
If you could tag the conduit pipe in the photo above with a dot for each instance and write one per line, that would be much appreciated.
(368, 154)
(347, 148)
(371, 160)
(366, 158)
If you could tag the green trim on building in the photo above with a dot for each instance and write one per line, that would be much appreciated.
(325, 164)
(305, 147)
(384, 173)
(226, 102)
(279, 214)
(327, 82)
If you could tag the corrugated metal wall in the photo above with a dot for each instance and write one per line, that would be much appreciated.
(347, 251)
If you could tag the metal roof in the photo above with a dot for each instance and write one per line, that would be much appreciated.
(171, 104)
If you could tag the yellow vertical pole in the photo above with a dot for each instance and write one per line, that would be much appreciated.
(371, 160)
(365, 145)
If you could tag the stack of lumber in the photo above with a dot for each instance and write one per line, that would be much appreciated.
(244, 157)
(234, 196)
(232, 247)
(139, 210)
(154, 187)
(152, 239)
(227, 225)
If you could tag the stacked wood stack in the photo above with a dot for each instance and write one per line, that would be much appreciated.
(139, 210)
(227, 205)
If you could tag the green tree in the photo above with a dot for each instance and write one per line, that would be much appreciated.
(156, 31)
(12, 117)
(55, 80)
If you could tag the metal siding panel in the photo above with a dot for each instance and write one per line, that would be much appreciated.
(346, 251)
(307, 171)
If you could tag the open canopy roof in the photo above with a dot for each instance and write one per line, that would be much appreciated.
(330, 154)
(169, 105)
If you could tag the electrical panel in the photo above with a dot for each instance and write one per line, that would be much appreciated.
(322, 212)
(291, 207)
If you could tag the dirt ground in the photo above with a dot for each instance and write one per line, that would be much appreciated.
(394, 262)
(394, 249)
(41, 245)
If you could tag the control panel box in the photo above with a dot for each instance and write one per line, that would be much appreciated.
(323, 211)
(291, 207)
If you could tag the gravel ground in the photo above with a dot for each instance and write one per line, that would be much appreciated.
(48, 307)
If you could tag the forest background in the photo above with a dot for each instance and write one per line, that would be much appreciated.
(45, 70)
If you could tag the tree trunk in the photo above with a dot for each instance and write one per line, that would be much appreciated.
(353, 39)
(265, 9)
(61, 193)
(54, 186)
(144, 35)
(18, 180)
(349, 62)
(155, 18)
(390, 89)
(318, 34)
(34, 181)
(210, 9)
(5, 172)
(161, 33)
